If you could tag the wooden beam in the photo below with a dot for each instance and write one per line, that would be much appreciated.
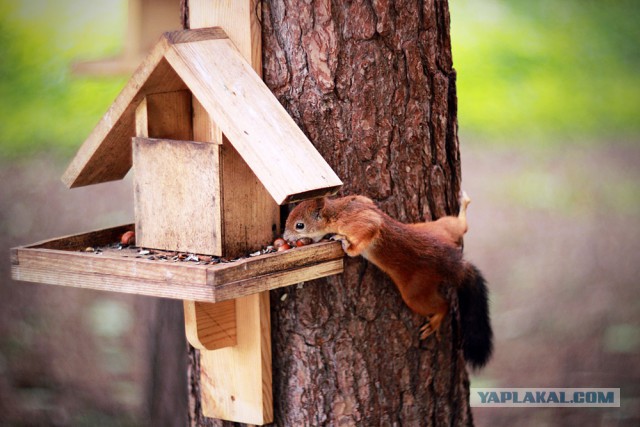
(240, 20)
(231, 387)
(236, 381)
(142, 119)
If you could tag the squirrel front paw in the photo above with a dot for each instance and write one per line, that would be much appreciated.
(343, 240)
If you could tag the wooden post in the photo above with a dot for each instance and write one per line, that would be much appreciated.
(236, 381)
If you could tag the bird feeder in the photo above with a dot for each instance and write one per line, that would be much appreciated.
(213, 155)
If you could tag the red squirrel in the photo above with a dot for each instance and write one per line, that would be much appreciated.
(419, 258)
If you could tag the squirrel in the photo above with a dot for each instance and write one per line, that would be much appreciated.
(418, 258)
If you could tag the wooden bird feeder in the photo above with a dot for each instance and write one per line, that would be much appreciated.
(213, 155)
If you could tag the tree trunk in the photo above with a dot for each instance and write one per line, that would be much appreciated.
(372, 85)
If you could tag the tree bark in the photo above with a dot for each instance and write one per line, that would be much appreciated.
(371, 83)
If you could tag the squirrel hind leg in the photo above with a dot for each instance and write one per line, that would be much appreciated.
(432, 325)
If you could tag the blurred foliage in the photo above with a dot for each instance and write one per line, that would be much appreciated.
(527, 70)
(43, 106)
(547, 70)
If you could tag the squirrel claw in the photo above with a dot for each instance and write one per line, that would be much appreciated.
(426, 330)
(342, 239)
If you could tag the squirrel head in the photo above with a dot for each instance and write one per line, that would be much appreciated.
(307, 220)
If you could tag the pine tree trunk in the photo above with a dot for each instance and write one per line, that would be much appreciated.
(372, 85)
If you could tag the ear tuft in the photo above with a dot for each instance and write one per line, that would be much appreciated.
(317, 209)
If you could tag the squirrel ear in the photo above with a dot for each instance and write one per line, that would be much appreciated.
(317, 211)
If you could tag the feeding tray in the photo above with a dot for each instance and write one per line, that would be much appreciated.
(64, 261)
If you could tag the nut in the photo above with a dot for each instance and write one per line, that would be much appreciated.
(128, 238)
(279, 242)
(303, 242)
(284, 247)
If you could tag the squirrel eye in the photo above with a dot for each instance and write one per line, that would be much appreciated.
(299, 226)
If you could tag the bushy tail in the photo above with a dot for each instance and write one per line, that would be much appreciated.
(477, 335)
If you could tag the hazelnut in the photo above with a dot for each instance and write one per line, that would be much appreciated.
(284, 247)
(128, 238)
(279, 242)
(303, 242)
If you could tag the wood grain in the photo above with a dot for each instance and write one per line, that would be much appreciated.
(62, 262)
(175, 204)
(106, 154)
(236, 381)
(210, 326)
(142, 119)
(252, 119)
(240, 20)
(229, 89)
(169, 115)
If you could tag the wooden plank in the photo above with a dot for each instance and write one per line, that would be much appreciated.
(250, 217)
(173, 274)
(236, 381)
(106, 154)
(97, 276)
(210, 326)
(255, 267)
(61, 262)
(205, 130)
(275, 280)
(240, 20)
(176, 188)
(142, 119)
(77, 242)
(169, 116)
(109, 283)
(195, 35)
(256, 124)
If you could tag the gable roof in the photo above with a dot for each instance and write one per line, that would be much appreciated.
(207, 63)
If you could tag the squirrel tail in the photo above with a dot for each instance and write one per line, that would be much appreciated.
(473, 300)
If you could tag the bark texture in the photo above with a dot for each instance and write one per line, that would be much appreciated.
(371, 83)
